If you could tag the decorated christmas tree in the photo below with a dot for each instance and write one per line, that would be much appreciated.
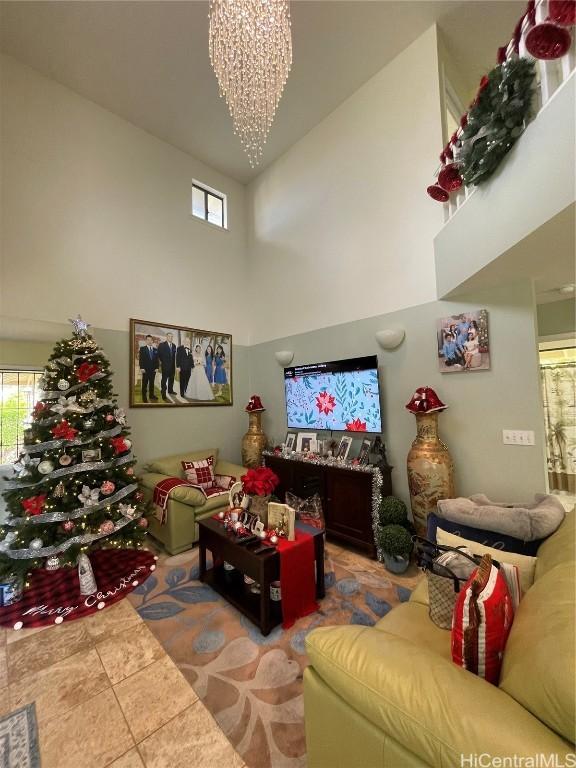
(75, 488)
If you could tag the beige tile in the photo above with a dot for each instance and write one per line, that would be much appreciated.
(190, 739)
(3, 667)
(91, 735)
(131, 759)
(153, 696)
(4, 702)
(3, 636)
(61, 686)
(110, 621)
(129, 651)
(57, 642)
(13, 636)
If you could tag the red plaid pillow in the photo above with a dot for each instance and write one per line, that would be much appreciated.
(200, 472)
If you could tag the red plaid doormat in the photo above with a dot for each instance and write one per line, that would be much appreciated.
(54, 596)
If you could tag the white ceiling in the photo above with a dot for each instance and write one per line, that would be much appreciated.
(148, 61)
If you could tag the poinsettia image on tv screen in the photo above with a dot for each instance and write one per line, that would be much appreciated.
(340, 395)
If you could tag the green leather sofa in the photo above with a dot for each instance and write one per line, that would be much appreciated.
(390, 696)
(186, 505)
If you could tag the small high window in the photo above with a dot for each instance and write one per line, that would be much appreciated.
(209, 204)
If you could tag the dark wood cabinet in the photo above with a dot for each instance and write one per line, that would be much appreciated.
(346, 496)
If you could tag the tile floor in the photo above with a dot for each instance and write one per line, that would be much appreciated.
(107, 694)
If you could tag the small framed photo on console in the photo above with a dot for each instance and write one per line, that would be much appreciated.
(344, 447)
(306, 442)
(290, 441)
(364, 455)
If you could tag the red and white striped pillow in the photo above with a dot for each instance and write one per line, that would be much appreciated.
(200, 473)
(481, 622)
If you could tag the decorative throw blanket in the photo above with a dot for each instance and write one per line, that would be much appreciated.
(164, 488)
(525, 522)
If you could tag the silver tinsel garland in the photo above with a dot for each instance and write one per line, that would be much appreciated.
(52, 444)
(332, 461)
(27, 554)
(57, 517)
(86, 466)
(55, 394)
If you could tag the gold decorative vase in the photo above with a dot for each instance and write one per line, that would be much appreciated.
(430, 470)
(254, 441)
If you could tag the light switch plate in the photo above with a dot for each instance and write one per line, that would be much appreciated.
(518, 437)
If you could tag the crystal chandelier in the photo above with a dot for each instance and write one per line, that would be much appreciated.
(251, 54)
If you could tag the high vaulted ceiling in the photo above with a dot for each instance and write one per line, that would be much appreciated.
(148, 61)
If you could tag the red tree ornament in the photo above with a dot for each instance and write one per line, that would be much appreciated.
(119, 444)
(34, 505)
(64, 431)
(86, 371)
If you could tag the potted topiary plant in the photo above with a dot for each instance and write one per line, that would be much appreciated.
(396, 544)
(392, 512)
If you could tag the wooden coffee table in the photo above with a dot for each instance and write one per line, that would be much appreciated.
(263, 568)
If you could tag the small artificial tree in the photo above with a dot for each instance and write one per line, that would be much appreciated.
(76, 488)
(396, 541)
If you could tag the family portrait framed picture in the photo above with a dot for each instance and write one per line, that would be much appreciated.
(172, 365)
(463, 342)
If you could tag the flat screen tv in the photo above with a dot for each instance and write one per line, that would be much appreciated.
(341, 395)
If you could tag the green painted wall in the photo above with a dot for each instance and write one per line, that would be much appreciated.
(481, 403)
(557, 317)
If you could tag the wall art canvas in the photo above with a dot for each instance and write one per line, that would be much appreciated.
(463, 342)
(171, 365)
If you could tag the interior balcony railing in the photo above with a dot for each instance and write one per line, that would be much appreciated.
(550, 76)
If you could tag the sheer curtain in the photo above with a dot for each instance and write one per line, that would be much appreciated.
(559, 393)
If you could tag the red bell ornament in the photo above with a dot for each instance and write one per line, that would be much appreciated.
(562, 12)
(548, 41)
(437, 193)
(449, 178)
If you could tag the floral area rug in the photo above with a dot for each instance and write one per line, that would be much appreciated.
(19, 739)
(252, 684)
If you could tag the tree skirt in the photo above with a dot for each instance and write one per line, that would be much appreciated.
(54, 596)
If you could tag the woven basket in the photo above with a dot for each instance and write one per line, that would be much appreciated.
(442, 599)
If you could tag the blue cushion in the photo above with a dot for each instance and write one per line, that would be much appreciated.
(488, 538)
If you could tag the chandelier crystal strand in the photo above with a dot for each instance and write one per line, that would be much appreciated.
(251, 54)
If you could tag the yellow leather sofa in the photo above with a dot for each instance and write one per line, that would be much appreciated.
(390, 696)
(186, 505)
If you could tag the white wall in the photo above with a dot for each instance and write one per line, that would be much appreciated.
(96, 218)
(340, 226)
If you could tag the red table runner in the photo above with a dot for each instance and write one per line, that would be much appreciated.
(297, 577)
(54, 596)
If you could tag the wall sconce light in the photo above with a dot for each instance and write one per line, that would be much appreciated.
(284, 357)
(390, 338)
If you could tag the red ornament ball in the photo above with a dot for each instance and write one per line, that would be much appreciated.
(142, 522)
(437, 193)
(548, 41)
(68, 525)
(109, 418)
(107, 487)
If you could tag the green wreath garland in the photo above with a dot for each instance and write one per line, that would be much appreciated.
(496, 120)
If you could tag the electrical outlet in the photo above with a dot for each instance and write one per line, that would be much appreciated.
(518, 437)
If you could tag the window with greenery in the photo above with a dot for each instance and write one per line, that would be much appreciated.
(18, 394)
(209, 204)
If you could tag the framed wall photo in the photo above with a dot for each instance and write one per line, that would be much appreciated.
(175, 365)
(364, 455)
(463, 342)
(306, 442)
(344, 447)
